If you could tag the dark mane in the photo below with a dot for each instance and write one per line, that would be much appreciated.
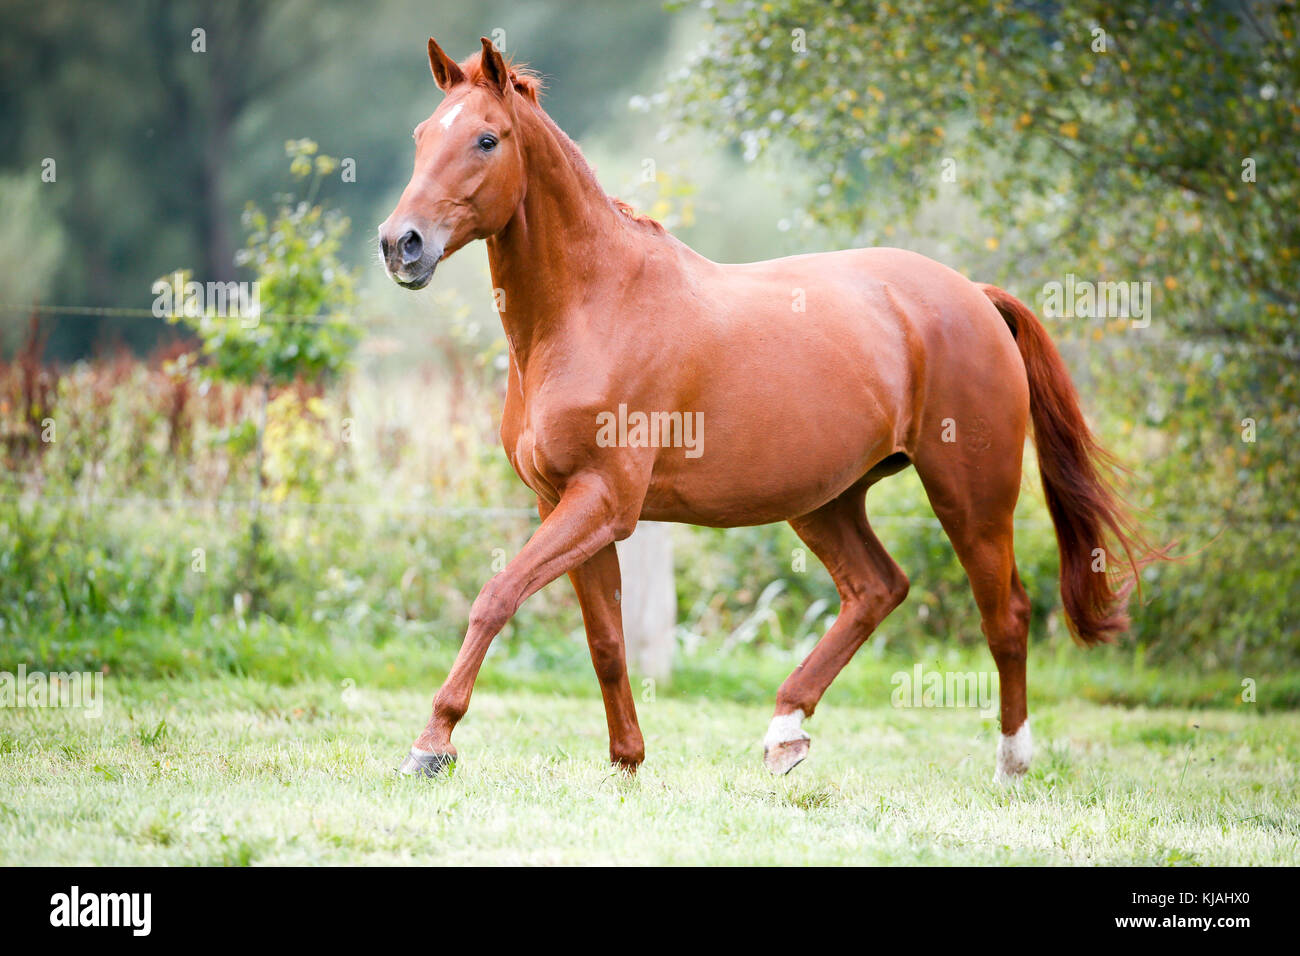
(528, 84)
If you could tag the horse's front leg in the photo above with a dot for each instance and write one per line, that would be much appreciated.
(583, 523)
(599, 585)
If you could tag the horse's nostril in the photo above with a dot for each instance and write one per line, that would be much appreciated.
(383, 247)
(411, 246)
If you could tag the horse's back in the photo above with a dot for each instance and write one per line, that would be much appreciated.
(917, 323)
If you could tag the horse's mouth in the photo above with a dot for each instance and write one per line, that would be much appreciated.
(418, 282)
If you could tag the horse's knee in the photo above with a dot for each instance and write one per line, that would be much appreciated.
(1020, 607)
(490, 611)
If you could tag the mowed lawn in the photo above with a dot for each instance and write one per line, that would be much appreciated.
(234, 771)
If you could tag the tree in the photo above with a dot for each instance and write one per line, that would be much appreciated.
(159, 130)
(1127, 144)
(298, 327)
(140, 114)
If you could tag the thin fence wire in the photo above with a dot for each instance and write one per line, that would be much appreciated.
(120, 312)
(1182, 342)
(419, 509)
(266, 505)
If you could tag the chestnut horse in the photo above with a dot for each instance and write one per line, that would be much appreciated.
(816, 376)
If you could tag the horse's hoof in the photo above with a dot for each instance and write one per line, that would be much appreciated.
(425, 763)
(785, 745)
(783, 757)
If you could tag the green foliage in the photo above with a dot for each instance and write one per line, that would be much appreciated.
(357, 579)
(1116, 143)
(361, 572)
(300, 451)
(211, 123)
(26, 236)
(293, 330)
(299, 329)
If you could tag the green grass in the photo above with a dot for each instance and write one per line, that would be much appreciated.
(236, 771)
(553, 658)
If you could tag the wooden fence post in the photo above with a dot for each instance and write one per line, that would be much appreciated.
(649, 599)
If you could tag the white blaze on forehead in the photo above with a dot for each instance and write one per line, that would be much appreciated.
(450, 118)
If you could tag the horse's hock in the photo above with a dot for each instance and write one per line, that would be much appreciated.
(649, 599)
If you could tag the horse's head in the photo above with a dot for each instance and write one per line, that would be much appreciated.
(469, 166)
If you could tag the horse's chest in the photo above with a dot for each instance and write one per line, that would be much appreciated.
(521, 448)
(541, 455)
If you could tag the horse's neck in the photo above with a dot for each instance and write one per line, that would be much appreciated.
(563, 235)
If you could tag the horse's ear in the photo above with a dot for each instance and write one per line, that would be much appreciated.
(494, 67)
(445, 71)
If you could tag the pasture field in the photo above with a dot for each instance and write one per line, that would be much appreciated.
(266, 536)
(231, 770)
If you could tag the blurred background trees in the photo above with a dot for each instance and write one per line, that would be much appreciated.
(1162, 141)
(160, 135)
(1020, 142)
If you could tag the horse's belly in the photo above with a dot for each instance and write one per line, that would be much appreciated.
(750, 477)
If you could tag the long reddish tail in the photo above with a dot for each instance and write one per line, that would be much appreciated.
(1085, 509)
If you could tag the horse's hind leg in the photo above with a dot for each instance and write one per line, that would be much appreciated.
(870, 586)
(975, 505)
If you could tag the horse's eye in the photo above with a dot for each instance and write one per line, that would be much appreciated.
(487, 142)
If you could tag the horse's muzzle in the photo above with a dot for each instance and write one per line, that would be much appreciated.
(415, 279)
(409, 258)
